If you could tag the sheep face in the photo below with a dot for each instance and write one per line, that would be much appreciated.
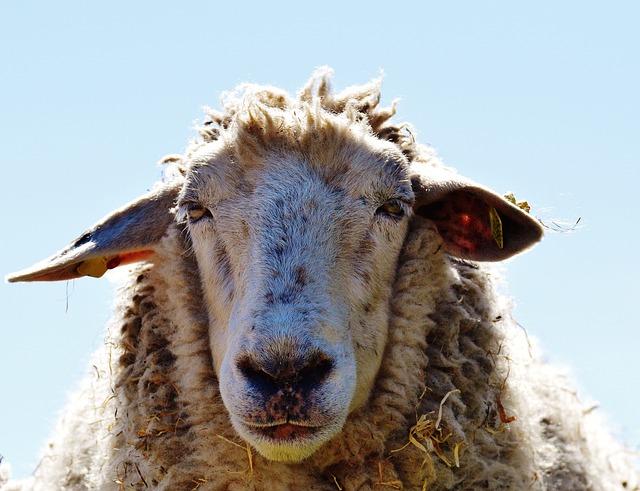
(296, 211)
(297, 252)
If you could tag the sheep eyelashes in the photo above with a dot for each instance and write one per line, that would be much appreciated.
(322, 335)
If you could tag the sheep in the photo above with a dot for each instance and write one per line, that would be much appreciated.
(309, 306)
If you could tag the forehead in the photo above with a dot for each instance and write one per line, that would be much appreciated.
(288, 145)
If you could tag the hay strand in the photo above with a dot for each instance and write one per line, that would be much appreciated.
(246, 447)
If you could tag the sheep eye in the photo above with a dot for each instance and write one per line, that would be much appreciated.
(393, 207)
(196, 211)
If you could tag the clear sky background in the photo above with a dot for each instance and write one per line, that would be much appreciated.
(539, 98)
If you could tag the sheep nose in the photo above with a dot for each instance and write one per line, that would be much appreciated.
(278, 372)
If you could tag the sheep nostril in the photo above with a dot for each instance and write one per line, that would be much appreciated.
(315, 371)
(253, 373)
(270, 375)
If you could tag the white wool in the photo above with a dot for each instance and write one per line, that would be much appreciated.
(307, 310)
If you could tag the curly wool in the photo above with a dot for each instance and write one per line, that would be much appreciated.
(171, 430)
(459, 402)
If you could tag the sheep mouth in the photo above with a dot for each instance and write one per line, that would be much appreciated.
(286, 441)
(286, 432)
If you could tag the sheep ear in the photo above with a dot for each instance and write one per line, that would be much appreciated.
(127, 235)
(474, 222)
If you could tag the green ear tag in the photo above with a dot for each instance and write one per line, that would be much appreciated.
(94, 267)
(496, 227)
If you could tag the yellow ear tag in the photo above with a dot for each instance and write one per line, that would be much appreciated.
(496, 227)
(94, 267)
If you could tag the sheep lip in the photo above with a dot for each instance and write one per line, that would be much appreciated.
(286, 431)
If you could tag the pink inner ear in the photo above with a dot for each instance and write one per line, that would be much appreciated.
(464, 224)
(128, 257)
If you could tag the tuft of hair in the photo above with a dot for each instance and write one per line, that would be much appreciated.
(257, 116)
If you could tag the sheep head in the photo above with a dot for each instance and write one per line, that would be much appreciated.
(296, 211)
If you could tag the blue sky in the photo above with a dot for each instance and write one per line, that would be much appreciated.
(539, 98)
